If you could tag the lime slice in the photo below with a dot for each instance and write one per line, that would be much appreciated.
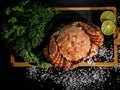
(108, 15)
(108, 27)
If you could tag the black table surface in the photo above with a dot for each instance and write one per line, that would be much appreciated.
(14, 76)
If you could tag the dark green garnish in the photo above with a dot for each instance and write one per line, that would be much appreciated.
(23, 29)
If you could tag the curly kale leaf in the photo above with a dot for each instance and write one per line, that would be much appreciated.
(23, 29)
(31, 58)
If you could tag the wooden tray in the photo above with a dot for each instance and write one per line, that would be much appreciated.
(14, 63)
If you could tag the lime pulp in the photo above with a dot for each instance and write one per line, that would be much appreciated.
(108, 15)
(108, 27)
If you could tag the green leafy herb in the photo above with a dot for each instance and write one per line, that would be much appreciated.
(23, 29)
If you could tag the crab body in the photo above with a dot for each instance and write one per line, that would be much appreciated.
(73, 43)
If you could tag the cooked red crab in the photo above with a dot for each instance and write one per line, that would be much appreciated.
(73, 43)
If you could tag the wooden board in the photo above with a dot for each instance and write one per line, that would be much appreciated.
(14, 63)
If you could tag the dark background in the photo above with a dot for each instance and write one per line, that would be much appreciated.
(12, 76)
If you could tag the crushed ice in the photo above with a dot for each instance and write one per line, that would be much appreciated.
(81, 78)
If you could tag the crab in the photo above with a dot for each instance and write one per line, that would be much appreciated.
(73, 43)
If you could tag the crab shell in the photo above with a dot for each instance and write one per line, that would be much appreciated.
(73, 43)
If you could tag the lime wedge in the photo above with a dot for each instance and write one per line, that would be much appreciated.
(107, 15)
(108, 27)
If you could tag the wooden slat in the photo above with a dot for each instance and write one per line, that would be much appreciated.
(18, 64)
(87, 8)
